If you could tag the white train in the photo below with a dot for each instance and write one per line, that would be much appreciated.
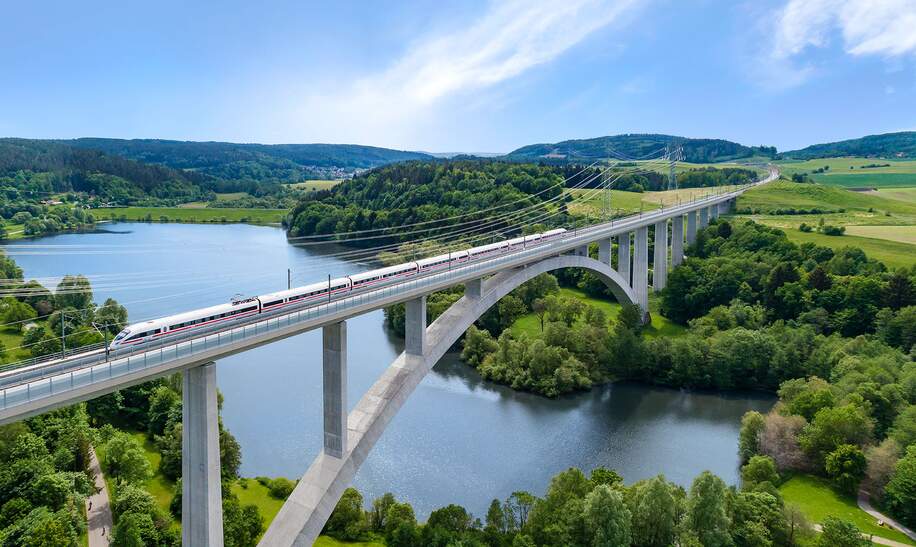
(316, 293)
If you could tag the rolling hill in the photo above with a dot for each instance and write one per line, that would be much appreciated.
(886, 145)
(258, 162)
(638, 146)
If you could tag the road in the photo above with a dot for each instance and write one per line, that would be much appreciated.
(98, 507)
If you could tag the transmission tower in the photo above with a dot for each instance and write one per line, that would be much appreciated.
(675, 153)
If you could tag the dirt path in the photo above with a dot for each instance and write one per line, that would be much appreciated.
(98, 507)
(866, 506)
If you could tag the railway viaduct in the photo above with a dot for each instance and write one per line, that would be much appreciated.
(349, 437)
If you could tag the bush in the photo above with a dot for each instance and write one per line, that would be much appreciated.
(281, 488)
(805, 228)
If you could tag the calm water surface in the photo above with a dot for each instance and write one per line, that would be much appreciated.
(458, 439)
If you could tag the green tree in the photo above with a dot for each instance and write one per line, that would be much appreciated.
(347, 521)
(759, 469)
(833, 427)
(477, 345)
(379, 511)
(125, 459)
(840, 533)
(17, 314)
(496, 517)
(846, 466)
(607, 517)
(655, 513)
(74, 291)
(901, 489)
(752, 424)
(707, 510)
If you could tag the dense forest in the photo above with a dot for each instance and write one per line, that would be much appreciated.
(886, 145)
(640, 146)
(413, 192)
(254, 162)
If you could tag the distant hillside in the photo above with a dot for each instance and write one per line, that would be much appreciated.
(637, 146)
(887, 145)
(256, 162)
(49, 167)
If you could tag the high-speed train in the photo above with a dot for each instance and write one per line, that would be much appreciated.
(316, 293)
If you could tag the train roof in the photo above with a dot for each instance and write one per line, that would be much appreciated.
(383, 271)
(304, 289)
(439, 258)
(182, 317)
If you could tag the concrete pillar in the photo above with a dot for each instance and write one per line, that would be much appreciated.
(623, 256)
(714, 211)
(604, 251)
(582, 250)
(474, 288)
(660, 261)
(415, 326)
(334, 369)
(201, 494)
(677, 240)
(691, 227)
(641, 269)
(704, 217)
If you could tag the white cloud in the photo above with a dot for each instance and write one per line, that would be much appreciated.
(507, 40)
(868, 27)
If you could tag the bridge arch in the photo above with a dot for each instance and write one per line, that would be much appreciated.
(304, 514)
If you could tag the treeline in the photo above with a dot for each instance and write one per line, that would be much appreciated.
(59, 168)
(887, 145)
(600, 510)
(839, 291)
(407, 193)
(271, 163)
(475, 191)
(640, 146)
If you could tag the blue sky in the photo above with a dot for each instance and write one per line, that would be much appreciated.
(469, 76)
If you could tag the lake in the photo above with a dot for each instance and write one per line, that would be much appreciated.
(458, 439)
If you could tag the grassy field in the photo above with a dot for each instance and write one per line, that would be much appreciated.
(325, 541)
(255, 493)
(818, 500)
(900, 234)
(182, 214)
(882, 223)
(160, 487)
(11, 341)
(591, 202)
(315, 184)
(660, 326)
(849, 172)
(219, 197)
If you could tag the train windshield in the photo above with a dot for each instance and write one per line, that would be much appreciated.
(121, 335)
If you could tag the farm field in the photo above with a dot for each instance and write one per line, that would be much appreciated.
(849, 172)
(180, 214)
(315, 184)
(901, 234)
(219, 197)
(881, 223)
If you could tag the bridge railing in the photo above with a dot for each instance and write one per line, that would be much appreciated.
(42, 388)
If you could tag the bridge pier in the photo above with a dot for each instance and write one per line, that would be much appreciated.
(415, 327)
(474, 288)
(623, 257)
(201, 492)
(641, 270)
(582, 250)
(334, 380)
(714, 211)
(604, 251)
(704, 217)
(660, 261)
(677, 240)
(691, 227)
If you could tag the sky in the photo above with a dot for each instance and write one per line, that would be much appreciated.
(469, 76)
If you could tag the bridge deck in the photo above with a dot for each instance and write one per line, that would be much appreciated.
(42, 387)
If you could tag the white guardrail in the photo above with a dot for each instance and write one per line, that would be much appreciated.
(39, 381)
